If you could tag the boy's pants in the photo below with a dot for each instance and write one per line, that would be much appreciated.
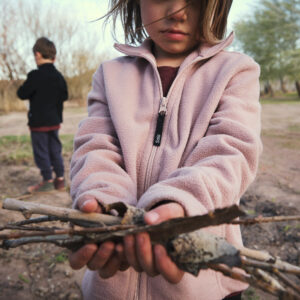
(47, 152)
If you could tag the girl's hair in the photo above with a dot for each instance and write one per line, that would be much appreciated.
(212, 19)
(45, 47)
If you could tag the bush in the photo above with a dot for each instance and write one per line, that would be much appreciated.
(8, 97)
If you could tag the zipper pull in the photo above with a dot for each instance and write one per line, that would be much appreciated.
(160, 122)
(163, 106)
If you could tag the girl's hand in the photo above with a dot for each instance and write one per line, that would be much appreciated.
(140, 254)
(108, 258)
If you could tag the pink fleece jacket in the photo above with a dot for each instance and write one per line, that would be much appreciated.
(208, 154)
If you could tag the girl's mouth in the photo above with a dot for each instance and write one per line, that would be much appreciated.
(175, 35)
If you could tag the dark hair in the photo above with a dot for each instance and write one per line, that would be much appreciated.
(212, 19)
(45, 47)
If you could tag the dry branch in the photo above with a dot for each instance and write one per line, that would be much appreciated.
(191, 250)
(29, 208)
(260, 219)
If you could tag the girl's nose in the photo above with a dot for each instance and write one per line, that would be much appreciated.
(177, 10)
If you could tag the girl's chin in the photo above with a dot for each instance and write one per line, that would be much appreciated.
(177, 51)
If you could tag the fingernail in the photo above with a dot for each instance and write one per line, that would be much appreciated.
(152, 217)
(85, 203)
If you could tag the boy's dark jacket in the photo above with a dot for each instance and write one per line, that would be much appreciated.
(46, 90)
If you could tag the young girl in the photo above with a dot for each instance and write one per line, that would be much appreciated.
(173, 128)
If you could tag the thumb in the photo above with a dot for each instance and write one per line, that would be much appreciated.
(163, 213)
(89, 205)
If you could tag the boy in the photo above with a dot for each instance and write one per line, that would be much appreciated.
(46, 90)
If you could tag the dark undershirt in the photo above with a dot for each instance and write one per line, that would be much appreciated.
(167, 76)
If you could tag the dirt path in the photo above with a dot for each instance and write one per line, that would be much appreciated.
(15, 123)
(42, 271)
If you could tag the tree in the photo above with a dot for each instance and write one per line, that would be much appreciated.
(22, 22)
(271, 36)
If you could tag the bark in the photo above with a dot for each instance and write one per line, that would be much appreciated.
(297, 84)
(28, 208)
(282, 85)
(269, 89)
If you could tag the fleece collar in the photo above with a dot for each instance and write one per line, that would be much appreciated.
(204, 51)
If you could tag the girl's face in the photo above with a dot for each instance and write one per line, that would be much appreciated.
(174, 35)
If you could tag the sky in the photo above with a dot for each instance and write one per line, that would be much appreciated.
(92, 9)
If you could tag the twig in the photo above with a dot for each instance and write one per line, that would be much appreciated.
(287, 281)
(36, 220)
(65, 213)
(107, 227)
(65, 241)
(260, 219)
(277, 265)
(247, 278)
(26, 228)
(259, 255)
(69, 231)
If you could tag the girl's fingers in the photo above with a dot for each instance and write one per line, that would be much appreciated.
(102, 256)
(111, 267)
(130, 252)
(144, 254)
(164, 212)
(165, 266)
(121, 255)
(82, 256)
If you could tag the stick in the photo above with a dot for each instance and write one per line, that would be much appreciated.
(64, 213)
(69, 231)
(251, 221)
(259, 255)
(247, 278)
(277, 265)
(59, 240)
(287, 281)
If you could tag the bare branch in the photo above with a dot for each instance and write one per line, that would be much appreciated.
(64, 213)
(260, 219)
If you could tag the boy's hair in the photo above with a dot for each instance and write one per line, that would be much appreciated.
(45, 47)
(212, 19)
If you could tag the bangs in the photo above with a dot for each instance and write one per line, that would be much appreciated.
(211, 25)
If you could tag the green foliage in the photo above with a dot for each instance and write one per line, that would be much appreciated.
(271, 36)
(18, 150)
(23, 278)
(251, 212)
(61, 257)
(250, 294)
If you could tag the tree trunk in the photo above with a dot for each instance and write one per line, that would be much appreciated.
(297, 84)
(268, 90)
(282, 85)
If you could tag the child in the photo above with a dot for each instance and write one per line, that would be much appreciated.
(173, 128)
(46, 90)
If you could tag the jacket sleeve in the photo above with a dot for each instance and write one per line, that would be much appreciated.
(224, 162)
(64, 92)
(97, 168)
(27, 89)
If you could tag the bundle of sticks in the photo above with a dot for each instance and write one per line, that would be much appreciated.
(187, 242)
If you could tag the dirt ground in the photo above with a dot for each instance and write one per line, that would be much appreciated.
(42, 271)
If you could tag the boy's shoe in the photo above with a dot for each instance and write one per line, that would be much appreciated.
(59, 184)
(43, 186)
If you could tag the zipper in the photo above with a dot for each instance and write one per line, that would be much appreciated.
(162, 112)
(160, 122)
(158, 133)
